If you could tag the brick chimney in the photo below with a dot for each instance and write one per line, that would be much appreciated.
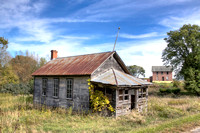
(54, 54)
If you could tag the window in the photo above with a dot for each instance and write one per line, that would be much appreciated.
(161, 73)
(163, 79)
(44, 86)
(142, 92)
(120, 95)
(126, 96)
(167, 78)
(156, 77)
(69, 86)
(167, 73)
(157, 73)
(123, 95)
(56, 87)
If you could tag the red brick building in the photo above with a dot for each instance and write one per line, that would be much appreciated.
(161, 74)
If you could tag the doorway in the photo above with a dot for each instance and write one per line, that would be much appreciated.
(132, 102)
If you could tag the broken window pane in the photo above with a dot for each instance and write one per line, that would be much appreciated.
(121, 98)
(120, 92)
(126, 97)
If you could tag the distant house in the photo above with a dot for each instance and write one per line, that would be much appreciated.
(63, 82)
(162, 74)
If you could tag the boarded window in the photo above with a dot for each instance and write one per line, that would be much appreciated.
(44, 86)
(56, 87)
(167, 78)
(69, 90)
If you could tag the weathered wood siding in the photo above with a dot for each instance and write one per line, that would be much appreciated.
(80, 99)
(109, 63)
(123, 107)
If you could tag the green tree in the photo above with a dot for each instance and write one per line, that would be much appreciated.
(24, 66)
(3, 43)
(136, 70)
(8, 76)
(183, 54)
(42, 62)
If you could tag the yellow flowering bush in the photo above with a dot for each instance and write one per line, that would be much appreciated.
(98, 101)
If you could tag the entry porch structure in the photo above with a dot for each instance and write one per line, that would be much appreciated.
(124, 91)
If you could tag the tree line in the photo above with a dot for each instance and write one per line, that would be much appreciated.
(15, 72)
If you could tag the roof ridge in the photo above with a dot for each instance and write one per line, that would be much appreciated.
(114, 76)
(84, 54)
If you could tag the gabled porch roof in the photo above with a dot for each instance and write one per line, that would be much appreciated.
(118, 78)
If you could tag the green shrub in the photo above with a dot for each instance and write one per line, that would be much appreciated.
(176, 83)
(168, 90)
(165, 91)
(22, 88)
(175, 90)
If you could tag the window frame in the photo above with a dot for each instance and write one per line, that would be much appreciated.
(46, 87)
(126, 95)
(56, 91)
(71, 90)
(123, 95)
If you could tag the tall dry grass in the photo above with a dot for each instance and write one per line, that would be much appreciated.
(17, 114)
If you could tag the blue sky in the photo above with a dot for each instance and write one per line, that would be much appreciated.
(75, 27)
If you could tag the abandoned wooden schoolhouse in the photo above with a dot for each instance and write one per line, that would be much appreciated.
(63, 82)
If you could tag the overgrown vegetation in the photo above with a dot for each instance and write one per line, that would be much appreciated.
(15, 72)
(98, 101)
(165, 114)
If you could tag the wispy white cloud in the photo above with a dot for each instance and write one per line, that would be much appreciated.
(150, 53)
(143, 53)
(21, 14)
(76, 37)
(129, 36)
(113, 10)
(187, 17)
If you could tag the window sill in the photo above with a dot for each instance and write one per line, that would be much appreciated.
(55, 97)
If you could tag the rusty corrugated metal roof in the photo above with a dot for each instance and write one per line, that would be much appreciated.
(115, 77)
(74, 65)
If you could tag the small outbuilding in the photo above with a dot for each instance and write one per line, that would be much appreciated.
(63, 82)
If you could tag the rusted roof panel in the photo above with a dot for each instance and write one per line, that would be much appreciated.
(115, 77)
(74, 65)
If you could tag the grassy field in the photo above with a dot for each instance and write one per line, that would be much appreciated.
(165, 114)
